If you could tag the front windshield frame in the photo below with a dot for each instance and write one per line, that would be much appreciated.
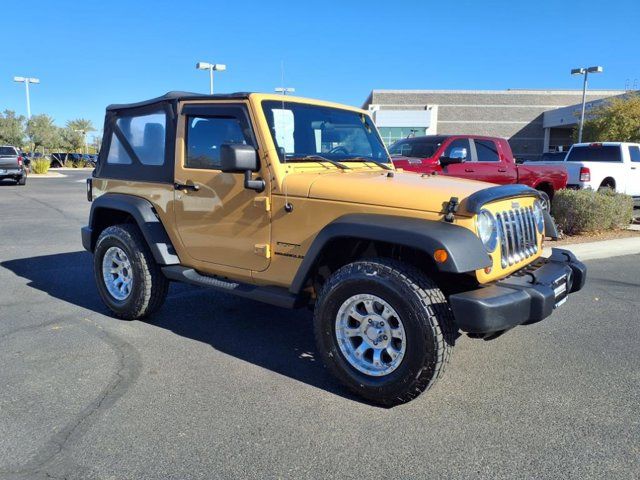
(305, 152)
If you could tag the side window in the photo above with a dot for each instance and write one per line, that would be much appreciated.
(117, 154)
(146, 134)
(486, 151)
(205, 135)
(459, 148)
(634, 153)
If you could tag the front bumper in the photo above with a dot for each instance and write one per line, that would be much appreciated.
(528, 296)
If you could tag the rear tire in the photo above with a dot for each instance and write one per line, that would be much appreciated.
(129, 280)
(22, 180)
(418, 328)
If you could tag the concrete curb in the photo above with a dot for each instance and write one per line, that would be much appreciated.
(602, 249)
(45, 175)
(64, 169)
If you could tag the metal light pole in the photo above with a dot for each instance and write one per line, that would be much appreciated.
(84, 139)
(219, 67)
(27, 81)
(284, 90)
(584, 71)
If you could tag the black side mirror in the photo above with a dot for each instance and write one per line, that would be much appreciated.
(444, 161)
(240, 158)
(457, 155)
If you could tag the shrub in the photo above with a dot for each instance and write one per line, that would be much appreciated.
(40, 165)
(69, 164)
(585, 211)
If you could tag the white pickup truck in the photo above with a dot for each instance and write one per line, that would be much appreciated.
(613, 165)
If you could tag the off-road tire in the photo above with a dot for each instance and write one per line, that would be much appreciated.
(426, 315)
(150, 286)
(22, 180)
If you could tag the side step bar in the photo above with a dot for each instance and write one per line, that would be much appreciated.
(280, 297)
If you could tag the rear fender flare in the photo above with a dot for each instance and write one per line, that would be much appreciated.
(145, 216)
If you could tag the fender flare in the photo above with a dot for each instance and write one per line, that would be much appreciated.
(466, 251)
(145, 217)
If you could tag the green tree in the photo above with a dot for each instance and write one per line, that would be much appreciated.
(12, 129)
(615, 120)
(71, 139)
(75, 132)
(42, 132)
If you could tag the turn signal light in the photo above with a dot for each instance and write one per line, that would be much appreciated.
(585, 174)
(440, 255)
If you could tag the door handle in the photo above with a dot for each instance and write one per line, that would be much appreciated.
(502, 170)
(186, 186)
(469, 170)
(633, 168)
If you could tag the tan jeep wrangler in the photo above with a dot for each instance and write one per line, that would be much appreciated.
(295, 202)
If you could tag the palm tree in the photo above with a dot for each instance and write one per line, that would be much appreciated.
(81, 126)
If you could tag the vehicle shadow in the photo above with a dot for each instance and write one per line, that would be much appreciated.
(277, 339)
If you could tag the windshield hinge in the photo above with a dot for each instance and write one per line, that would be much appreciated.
(451, 209)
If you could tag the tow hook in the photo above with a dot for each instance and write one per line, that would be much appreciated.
(451, 209)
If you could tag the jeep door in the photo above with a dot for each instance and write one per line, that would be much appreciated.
(218, 220)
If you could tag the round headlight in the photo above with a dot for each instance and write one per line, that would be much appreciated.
(487, 230)
(538, 215)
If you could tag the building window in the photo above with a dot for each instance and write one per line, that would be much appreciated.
(393, 134)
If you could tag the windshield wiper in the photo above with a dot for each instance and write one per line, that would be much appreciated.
(368, 159)
(320, 158)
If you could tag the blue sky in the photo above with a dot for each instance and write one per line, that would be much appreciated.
(92, 53)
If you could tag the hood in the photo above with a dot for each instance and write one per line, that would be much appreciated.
(384, 188)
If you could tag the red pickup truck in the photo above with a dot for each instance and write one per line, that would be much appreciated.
(475, 157)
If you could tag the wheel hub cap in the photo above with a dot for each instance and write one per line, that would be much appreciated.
(117, 273)
(370, 334)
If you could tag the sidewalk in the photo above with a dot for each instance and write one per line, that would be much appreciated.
(602, 249)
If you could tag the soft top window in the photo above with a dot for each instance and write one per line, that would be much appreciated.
(146, 136)
(138, 140)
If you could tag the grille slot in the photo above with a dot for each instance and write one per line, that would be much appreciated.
(518, 236)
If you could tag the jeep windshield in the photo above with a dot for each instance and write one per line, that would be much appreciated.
(312, 133)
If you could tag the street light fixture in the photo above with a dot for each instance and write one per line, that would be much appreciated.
(219, 67)
(27, 81)
(284, 90)
(584, 71)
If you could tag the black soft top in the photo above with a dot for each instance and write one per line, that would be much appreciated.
(175, 96)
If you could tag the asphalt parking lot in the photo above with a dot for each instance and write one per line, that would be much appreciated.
(220, 387)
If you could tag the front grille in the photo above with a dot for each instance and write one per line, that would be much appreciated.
(518, 235)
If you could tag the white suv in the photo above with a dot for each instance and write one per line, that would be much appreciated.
(613, 165)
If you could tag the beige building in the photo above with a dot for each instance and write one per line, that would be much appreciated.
(524, 117)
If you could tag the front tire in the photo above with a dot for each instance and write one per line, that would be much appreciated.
(384, 329)
(129, 281)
